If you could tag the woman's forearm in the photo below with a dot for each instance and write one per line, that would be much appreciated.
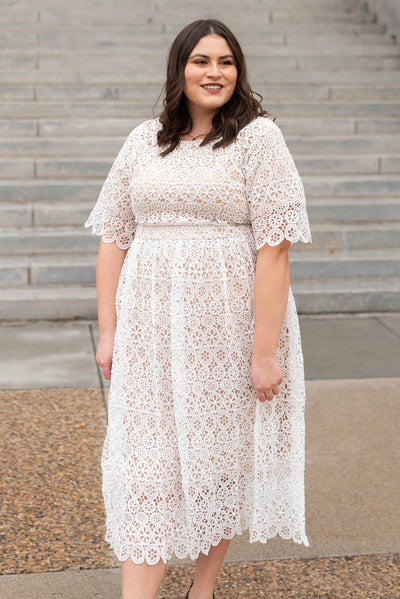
(271, 289)
(109, 263)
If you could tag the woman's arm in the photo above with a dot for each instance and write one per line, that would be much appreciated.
(271, 289)
(109, 263)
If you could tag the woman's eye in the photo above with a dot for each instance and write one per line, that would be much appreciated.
(227, 62)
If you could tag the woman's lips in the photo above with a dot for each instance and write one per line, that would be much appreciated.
(213, 90)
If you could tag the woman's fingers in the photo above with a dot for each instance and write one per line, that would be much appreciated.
(105, 365)
(107, 371)
(268, 394)
(267, 376)
(261, 396)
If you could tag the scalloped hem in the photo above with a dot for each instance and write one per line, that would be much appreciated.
(302, 238)
(122, 556)
(96, 231)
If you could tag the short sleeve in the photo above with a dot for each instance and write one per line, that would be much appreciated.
(274, 188)
(112, 215)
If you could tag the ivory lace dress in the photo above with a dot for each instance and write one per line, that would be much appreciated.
(191, 455)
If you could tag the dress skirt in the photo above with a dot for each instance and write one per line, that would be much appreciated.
(191, 456)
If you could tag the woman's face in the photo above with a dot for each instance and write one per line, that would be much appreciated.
(211, 62)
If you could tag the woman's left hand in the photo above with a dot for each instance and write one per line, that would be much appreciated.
(267, 376)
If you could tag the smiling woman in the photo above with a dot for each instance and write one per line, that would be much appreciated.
(198, 326)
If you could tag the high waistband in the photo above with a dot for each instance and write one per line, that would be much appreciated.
(191, 231)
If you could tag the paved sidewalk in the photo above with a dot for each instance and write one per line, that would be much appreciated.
(61, 354)
(53, 413)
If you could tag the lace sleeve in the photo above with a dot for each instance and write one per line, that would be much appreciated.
(274, 188)
(112, 215)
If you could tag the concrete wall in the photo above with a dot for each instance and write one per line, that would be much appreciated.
(388, 13)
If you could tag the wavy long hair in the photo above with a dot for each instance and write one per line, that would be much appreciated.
(239, 111)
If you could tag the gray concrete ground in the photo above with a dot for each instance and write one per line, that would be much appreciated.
(61, 354)
(352, 365)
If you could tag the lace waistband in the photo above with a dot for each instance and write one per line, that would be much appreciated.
(198, 231)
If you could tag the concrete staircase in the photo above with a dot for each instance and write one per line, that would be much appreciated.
(75, 78)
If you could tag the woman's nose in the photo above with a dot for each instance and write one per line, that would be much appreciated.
(213, 70)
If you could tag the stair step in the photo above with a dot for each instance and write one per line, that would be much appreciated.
(106, 147)
(325, 210)
(345, 264)
(44, 214)
(16, 214)
(147, 95)
(333, 236)
(42, 190)
(77, 39)
(342, 295)
(361, 210)
(121, 127)
(262, 78)
(81, 269)
(333, 38)
(64, 270)
(143, 49)
(44, 168)
(276, 15)
(38, 240)
(259, 77)
(330, 210)
(14, 270)
(61, 213)
(187, 4)
(48, 270)
(315, 186)
(171, 22)
(351, 185)
(57, 6)
(294, 26)
(107, 38)
(349, 145)
(107, 109)
(334, 17)
(48, 303)
(71, 302)
(156, 64)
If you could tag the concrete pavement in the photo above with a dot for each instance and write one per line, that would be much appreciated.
(352, 451)
(61, 353)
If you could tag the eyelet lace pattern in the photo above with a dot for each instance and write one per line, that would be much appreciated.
(191, 455)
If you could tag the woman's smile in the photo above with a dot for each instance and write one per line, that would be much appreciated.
(212, 89)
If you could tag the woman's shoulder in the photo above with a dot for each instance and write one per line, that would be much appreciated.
(258, 128)
(144, 130)
(259, 136)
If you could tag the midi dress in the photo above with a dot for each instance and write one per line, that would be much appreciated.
(191, 456)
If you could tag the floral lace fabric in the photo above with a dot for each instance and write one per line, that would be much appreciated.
(191, 455)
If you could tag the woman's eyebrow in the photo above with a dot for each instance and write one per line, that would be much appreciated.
(205, 56)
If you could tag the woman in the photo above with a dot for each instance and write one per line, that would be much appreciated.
(198, 328)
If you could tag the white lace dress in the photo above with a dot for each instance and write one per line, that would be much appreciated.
(191, 455)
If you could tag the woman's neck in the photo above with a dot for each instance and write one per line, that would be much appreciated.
(201, 122)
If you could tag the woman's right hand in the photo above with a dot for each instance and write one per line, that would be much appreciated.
(104, 355)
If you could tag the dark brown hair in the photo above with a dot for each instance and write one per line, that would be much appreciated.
(239, 111)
